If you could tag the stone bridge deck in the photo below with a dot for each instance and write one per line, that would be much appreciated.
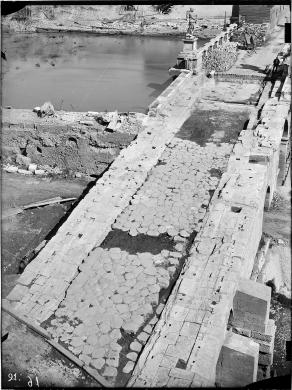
(100, 285)
(187, 343)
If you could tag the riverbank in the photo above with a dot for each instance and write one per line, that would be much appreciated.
(115, 20)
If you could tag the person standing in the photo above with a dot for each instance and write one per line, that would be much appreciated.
(276, 64)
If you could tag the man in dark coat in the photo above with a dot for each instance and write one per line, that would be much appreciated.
(276, 63)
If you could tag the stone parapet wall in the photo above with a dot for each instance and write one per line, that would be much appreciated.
(214, 43)
(187, 341)
(174, 88)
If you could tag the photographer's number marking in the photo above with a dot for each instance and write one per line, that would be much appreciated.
(31, 381)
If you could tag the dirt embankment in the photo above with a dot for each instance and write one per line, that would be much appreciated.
(116, 19)
(68, 144)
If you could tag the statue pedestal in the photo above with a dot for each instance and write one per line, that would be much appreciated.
(190, 43)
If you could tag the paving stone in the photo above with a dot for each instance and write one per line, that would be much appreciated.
(128, 367)
(113, 362)
(122, 308)
(115, 334)
(130, 326)
(132, 356)
(148, 329)
(98, 352)
(85, 358)
(105, 327)
(135, 346)
(143, 337)
(97, 363)
(104, 340)
(87, 349)
(154, 288)
(133, 306)
(110, 371)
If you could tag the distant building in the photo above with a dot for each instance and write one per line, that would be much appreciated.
(260, 13)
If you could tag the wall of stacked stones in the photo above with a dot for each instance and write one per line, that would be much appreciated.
(219, 40)
(190, 340)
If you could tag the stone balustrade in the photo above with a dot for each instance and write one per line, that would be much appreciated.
(194, 59)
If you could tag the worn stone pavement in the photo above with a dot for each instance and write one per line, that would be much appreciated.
(116, 291)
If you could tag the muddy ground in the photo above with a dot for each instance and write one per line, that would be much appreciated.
(23, 232)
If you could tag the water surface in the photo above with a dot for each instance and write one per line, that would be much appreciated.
(84, 72)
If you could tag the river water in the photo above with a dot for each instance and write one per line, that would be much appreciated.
(81, 72)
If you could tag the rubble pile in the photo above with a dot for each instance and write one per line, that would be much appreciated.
(259, 31)
(221, 58)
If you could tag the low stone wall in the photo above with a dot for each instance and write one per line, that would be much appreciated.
(190, 345)
(169, 93)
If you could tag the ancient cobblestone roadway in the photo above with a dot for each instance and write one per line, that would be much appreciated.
(117, 292)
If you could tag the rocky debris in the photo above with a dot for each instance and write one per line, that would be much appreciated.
(24, 171)
(111, 120)
(47, 109)
(259, 31)
(32, 167)
(277, 270)
(11, 169)
(220, 59)
(23, 160)
(39, 172)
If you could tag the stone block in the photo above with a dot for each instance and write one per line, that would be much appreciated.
(17, 293)
(238, 362)
(190, 329)
(169, 361)
(178, 382)
(181, 373)
(162, 377)
(265, 359)
(251, 305)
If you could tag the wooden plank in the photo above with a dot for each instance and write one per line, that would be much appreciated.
(15, 211)
(11, 212)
